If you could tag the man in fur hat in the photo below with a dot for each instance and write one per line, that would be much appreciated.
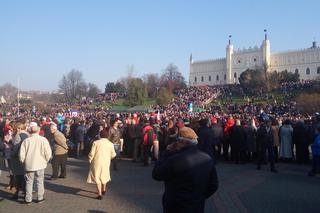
(189, 175)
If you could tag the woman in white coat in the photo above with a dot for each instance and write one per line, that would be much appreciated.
(100, 156)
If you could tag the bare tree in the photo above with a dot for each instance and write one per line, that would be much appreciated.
(152, 82)
(9, 92)
(93, 90)
(73, 86)
(172, 78)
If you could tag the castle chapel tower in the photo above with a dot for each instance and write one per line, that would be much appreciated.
(266, 51)
(229, 53)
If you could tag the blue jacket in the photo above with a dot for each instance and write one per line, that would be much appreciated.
(315, 147)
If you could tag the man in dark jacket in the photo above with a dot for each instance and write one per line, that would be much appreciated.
(217, 136)
(190, 176)
(265, 143)
(80, 133)
(238, 140)
(205, 141)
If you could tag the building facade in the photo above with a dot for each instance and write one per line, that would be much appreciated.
(227, 70)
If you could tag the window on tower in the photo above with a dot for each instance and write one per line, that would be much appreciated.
(217, 78)
(235, 75)
(225, 76)
(195, 79)
(296, 71)
(308, 71)
(209, 77)
(201, 78)
(318, 70)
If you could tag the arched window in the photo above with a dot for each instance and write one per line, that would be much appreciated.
(225, 76)
(217, 77)
(209, 77)
(308, 71)
(318, 70)
(195, 79)
(235, 75)
(201, 78)
(296, 71)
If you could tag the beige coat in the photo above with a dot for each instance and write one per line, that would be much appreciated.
(101, 153)
(35, 152)
(60, 146)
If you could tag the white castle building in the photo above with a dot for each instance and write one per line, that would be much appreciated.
(227, 70)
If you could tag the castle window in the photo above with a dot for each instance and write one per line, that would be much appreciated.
(318, 70)
(254, 59)
(239, 61)
(235, 75)
(308, 71)
(217, 77)
(296, 71)
(225, 76)
(201, 78)
(209, 77)
(195, 79)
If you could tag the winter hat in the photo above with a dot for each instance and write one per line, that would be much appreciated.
(188, 135)
(214, 120)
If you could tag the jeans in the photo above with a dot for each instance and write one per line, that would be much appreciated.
(38, 176)
(114, 161)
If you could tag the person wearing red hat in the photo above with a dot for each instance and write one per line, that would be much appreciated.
(226, 135)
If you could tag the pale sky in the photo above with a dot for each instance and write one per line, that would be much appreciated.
(42, 40)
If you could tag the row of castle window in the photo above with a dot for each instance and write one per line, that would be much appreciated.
(217, 77)
(307, 71)
(235, 75)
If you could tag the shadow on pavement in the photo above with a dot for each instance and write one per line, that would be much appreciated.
(68, 190)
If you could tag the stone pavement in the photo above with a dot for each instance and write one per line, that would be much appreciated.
(241, 189)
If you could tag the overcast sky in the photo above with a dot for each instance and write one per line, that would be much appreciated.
(42, 40)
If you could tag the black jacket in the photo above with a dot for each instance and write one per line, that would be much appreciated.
(190, 177)
(206, 140)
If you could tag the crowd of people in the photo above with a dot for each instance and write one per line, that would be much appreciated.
(247, 133)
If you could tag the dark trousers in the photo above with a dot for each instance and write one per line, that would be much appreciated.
(276, 153)
(136, 148)
(20, 183)
(147, 155)
(80, 148)
(217, 151)
(302, 153)
(226, 145)
(315, 164)
(262, 156)
(59, 161)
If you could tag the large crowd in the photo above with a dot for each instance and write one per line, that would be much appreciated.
(237, 133)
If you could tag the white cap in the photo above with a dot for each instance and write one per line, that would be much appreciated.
(32, 124)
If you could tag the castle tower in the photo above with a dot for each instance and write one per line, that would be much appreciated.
(266, 51)
(190, 71)
(229, 53)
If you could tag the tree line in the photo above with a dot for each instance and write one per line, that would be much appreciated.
(137, 89)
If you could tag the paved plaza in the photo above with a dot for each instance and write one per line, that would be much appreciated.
(241, 189)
